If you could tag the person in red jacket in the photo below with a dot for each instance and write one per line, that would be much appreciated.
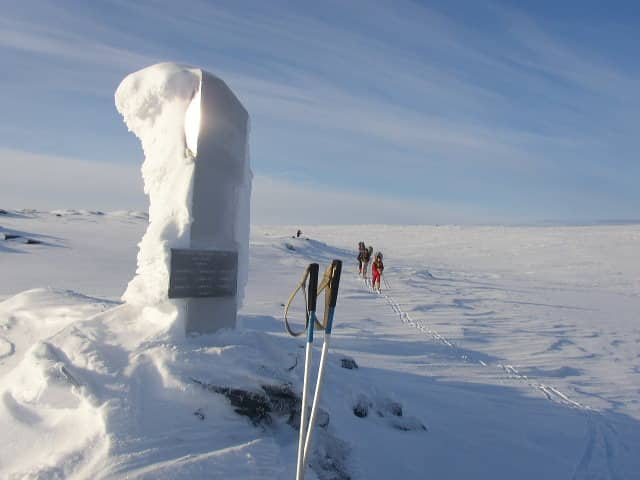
(377, 269)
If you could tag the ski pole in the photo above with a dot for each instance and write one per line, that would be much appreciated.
(330, 307)
(311, 309)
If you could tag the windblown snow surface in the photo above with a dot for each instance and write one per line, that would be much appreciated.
(510, 353)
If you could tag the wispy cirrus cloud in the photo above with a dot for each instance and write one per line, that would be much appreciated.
(390, 98)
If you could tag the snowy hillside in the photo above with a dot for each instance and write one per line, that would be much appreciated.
(495, 353)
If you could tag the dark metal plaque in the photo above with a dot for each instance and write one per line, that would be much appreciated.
(203, 273)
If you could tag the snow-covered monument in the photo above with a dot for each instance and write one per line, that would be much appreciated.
(194, 133)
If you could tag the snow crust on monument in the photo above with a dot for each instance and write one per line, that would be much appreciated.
(154, 103)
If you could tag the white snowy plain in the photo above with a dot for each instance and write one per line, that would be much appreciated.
(517, 348)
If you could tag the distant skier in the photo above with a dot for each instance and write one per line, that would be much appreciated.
(298, 233)
(377, 269)
(366, 257)
(361, 250)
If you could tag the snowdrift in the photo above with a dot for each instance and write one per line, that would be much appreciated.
(462, 372)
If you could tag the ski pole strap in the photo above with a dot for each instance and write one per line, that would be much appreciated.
(329, 284)
(325, 285)
(310, 271)
(326, 279)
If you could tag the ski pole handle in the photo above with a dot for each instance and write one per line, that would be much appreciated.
(335, 283)
(312, 295)
(336, 269)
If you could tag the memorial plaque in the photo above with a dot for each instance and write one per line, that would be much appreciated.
(203, 273)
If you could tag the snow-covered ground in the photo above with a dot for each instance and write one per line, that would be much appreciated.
(511, 353)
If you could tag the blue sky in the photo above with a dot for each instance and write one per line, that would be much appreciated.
(362, 112)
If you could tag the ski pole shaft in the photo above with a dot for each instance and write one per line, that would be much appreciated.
(303, 413)
(316, 398)
(311, 306)
(329, 314)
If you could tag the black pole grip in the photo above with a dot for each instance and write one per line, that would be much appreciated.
(335, 282)
(312, 294)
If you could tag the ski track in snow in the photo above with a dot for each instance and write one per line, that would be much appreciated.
(511, 372)
(598, 460)
(601, 451)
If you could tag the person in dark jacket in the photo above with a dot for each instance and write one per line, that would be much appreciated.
(361, 250)
(366, 257)
(377, 269)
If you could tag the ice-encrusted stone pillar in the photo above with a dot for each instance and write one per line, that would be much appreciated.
(194, 133)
